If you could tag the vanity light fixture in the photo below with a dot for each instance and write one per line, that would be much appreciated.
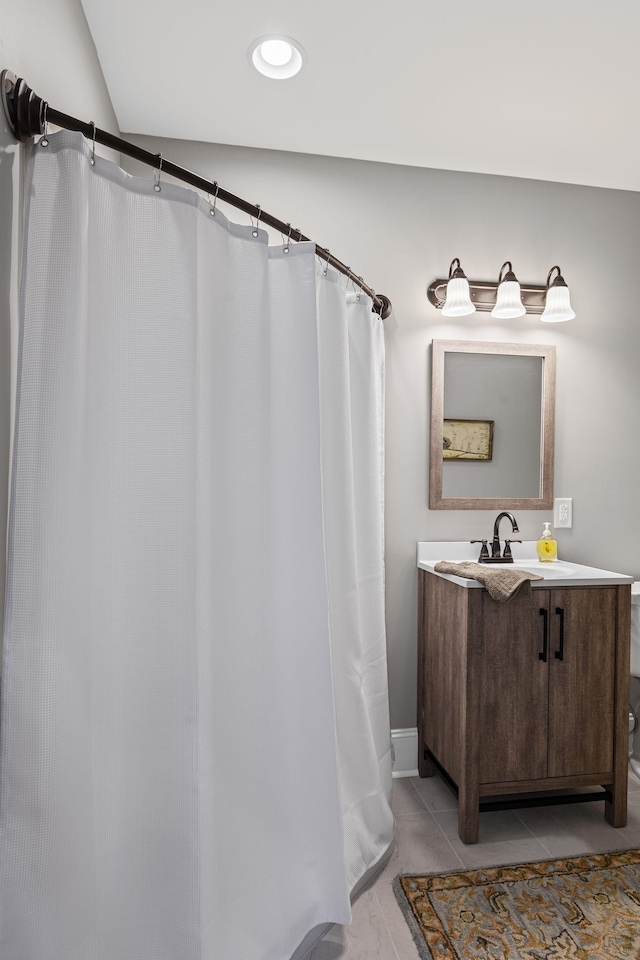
(459, 297)
(276, 57)
(557, 302)
(508, 297)
(458, 302)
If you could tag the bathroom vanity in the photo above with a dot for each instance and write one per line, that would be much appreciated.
(527, 697)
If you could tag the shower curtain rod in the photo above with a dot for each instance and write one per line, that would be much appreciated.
(28, 114)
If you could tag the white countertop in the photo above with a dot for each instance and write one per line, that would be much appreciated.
(559, 573)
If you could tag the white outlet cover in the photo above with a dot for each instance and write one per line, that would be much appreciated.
(562, 512)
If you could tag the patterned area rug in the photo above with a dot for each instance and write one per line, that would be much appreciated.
(582, 908)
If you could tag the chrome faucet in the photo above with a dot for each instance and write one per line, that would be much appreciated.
(496, 557)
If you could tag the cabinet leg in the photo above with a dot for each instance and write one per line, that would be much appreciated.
(425, 767)
(468, 814)
(615, 811)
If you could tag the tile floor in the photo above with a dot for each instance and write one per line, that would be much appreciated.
(427, 842)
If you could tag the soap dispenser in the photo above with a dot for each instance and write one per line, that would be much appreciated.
(547, 546)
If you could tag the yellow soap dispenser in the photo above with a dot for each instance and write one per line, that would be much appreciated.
(547, 546)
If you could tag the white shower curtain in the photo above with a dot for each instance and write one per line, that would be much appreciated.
(195, 757)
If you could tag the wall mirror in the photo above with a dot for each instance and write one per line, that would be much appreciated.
(492, 426)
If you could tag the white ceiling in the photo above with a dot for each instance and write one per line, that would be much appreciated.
(546, 90)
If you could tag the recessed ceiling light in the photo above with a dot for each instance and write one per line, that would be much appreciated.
(276, 57)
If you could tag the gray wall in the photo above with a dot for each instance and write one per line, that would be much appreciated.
(48, 43)
(400, 227)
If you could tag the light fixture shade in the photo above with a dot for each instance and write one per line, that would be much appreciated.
(508, 298)
(557, 300)
(458, 302)
(508, 301)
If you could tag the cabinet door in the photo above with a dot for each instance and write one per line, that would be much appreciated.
(581, 681)
(513, 690)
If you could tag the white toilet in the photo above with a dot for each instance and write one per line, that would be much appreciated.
(634, 716)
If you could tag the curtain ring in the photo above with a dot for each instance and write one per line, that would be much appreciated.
(92, 160)
(212, 208)
(255, 232)
(285, 249)
(157, 175)
(360, 291)
(44, 139)
(326, 264)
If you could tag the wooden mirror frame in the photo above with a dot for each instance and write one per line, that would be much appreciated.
(548, 411)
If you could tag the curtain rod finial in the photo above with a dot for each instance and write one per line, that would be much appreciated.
(385, 305)
(24, 109)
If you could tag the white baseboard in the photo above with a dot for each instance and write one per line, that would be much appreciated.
(405, 752)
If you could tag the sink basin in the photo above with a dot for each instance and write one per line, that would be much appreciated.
(550, 571)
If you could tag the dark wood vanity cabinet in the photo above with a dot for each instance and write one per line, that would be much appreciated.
(524, 697)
